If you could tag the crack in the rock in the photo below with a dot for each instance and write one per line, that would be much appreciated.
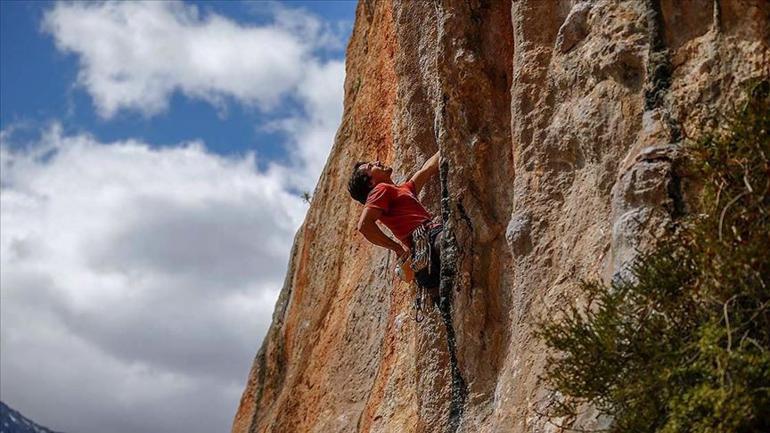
(659, 81)
(659, 71)
(449, 252)
(659, 67)
(675, 193)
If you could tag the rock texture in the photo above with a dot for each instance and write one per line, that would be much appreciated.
(559, 124)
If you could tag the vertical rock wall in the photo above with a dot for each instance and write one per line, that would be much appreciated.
(559, 124)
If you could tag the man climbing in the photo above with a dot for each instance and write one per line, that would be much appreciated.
(397, 207)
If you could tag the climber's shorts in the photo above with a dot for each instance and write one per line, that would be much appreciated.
(430, 280)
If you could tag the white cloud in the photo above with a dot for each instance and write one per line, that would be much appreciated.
(136, 281)
(136, 55)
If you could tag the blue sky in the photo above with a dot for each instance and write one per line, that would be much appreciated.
(38, 84)
(152, 160)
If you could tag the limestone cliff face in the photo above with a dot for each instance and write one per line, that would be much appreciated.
(559, 124)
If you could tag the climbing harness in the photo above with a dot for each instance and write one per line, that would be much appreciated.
(421, 248)
(421, 258)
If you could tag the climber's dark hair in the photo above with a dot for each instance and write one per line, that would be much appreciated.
(358, 185)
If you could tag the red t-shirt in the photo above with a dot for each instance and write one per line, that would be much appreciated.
(402, 212)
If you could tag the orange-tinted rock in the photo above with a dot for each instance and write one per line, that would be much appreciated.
(559, 124)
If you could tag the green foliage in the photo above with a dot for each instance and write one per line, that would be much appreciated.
(683, 345)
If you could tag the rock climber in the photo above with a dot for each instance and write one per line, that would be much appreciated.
(397, 207)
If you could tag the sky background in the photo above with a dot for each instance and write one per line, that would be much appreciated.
(152, 161)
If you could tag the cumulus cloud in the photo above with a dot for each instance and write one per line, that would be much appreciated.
(136, 55)
(136, 281)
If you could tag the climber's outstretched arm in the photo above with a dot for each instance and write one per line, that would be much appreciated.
(424, 174)
(368, 227)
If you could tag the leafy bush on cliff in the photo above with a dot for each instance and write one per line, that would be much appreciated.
(684, 344)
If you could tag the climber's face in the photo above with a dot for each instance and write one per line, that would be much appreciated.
(378, 172)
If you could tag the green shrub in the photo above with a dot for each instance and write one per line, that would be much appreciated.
(683, 345)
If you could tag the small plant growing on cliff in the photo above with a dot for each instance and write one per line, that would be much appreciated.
(683, 345)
